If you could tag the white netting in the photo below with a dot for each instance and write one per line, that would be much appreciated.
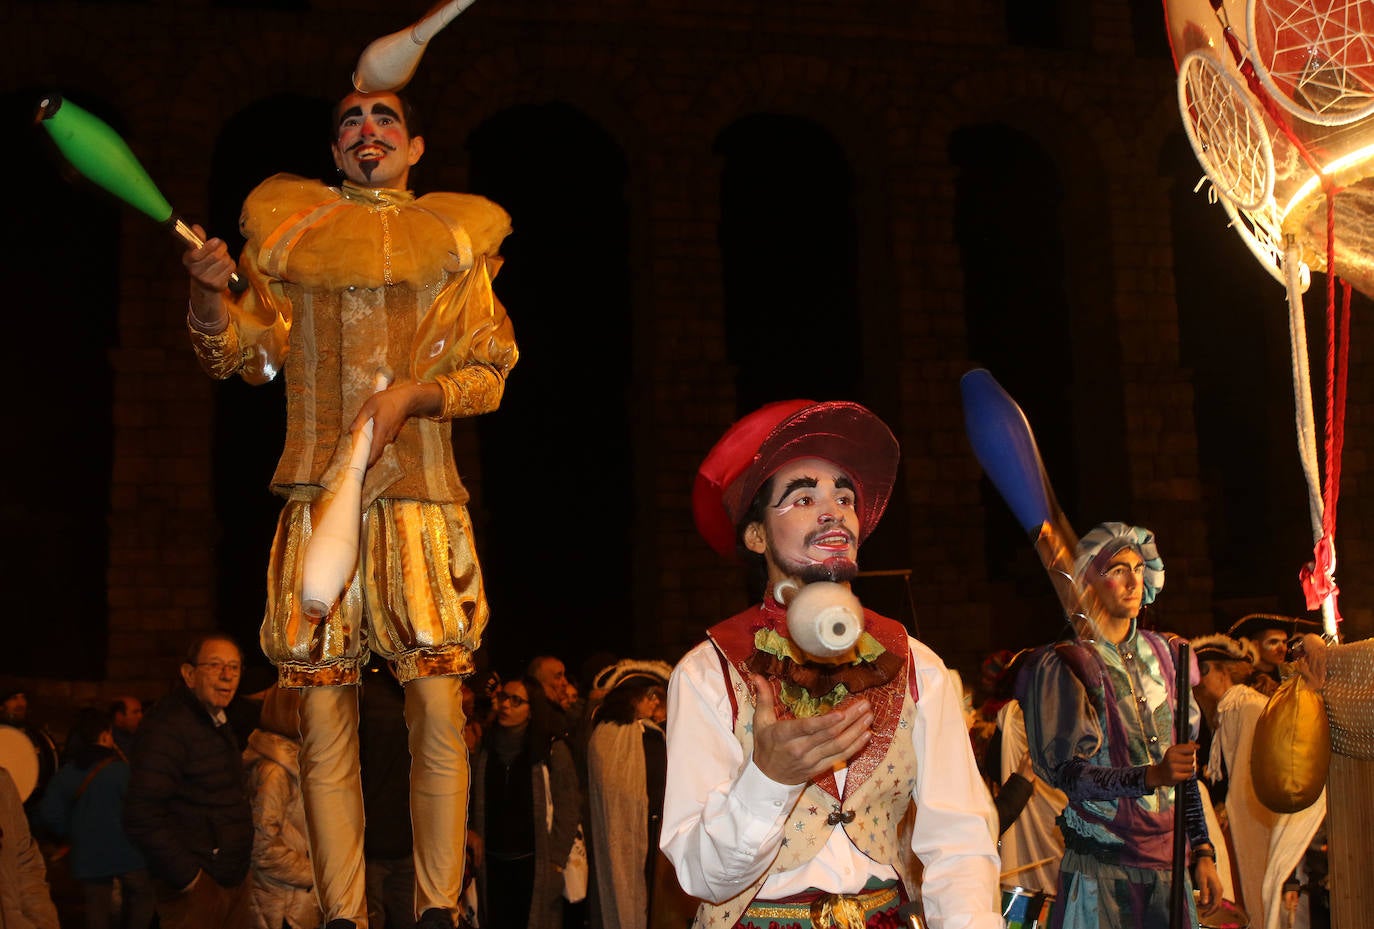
(1226, 130)
(1259, 230)
(1316, 57)
(1272, 164)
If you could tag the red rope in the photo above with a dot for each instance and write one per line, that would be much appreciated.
(1318, 578)
(1337, 370)
(1271, 109)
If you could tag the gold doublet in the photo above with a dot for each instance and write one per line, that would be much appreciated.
(344, 283)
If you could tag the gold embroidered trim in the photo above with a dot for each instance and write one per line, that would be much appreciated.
(867, 901)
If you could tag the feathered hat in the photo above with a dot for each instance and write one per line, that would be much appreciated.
(1251, 625)
(1218, 647)
(629, 669)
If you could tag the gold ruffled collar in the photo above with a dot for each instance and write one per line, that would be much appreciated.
(377, 197)
(332, 238)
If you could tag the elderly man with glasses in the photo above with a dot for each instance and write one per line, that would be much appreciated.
(186, 809)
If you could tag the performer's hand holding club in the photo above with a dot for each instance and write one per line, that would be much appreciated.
(211, 268)
(102, 157)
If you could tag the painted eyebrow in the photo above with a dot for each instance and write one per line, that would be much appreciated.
(378, 109)
(794, 484)
(842, 482)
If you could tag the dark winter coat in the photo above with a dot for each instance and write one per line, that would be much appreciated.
(187, 808)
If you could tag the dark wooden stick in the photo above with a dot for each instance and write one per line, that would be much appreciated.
(1178, 910)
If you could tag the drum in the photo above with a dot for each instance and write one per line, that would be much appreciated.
(29, 756)
(1025, 909)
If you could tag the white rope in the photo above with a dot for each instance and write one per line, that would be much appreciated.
(1302, 401)
(1302, 386)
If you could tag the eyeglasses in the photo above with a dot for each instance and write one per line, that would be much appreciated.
(219, 667)
(512, 699)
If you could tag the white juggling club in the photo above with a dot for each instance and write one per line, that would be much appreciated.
(824, 619)
(331, 555)
(389, 62)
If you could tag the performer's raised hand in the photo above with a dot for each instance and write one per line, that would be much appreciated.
(1178, 765)
(210, 267)
(793, 751)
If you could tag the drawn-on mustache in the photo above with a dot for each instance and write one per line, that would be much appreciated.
(377, 142)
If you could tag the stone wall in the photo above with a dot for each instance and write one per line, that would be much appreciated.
(890, 80)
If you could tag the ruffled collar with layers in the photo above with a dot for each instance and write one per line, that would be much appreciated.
(330, 238)
(809, 687)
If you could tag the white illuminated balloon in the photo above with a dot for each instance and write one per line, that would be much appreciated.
(1277, 98)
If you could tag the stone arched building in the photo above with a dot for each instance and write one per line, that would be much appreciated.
(862, 199)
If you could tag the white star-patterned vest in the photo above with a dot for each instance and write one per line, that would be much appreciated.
(878, 782)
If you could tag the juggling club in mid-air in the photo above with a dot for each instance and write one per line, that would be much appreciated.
(389, 62)
(1005, 446)
(102, 157)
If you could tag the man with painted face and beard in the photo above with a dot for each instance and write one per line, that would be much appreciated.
(789, 776)
(349, 285)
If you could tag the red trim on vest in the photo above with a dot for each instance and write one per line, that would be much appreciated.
(734, 642)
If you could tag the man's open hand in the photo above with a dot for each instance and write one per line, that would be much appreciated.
(793, 751)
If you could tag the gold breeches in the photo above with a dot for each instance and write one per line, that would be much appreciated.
(416, 597)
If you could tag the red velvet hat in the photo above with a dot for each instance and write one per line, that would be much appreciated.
(753, 449)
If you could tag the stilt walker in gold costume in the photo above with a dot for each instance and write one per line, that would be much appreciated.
(347, 285)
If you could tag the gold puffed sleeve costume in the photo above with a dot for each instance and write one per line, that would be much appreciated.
(346, 283)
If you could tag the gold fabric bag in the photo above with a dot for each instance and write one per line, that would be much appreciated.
(1292, 749)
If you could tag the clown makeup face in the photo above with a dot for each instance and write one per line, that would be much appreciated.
(811, 517)
(372, 145)
(1119, 582)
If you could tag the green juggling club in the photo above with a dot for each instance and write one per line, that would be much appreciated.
(103, 158)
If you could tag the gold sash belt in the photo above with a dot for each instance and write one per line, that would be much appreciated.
(827, 911)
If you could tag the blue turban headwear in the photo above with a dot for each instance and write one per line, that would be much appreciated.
(1106, 539)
